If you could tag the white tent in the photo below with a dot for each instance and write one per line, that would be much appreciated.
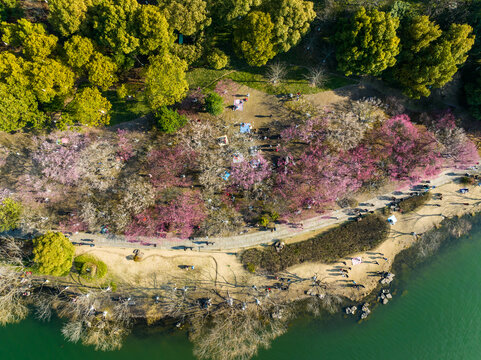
(392, 220)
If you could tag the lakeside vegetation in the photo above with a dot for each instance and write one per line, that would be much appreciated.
(330, 246)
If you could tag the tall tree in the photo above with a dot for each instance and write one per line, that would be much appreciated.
(292, 20)
(101, 71)
(90, 108)
(229, 10)
(254, 38)
(31, 37)
(429, 57)
(165, 81)
(154, 32)
(78, 50)
(50, 79)
(186, 16)
(367, 44)
(66, 16)
(53, 254)
(18, 104)
(114, 25)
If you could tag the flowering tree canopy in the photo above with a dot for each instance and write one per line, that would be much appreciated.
(170, 166)
(248, 173)
(406, 152)
(179, 215)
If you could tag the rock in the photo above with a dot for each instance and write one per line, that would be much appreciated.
(383, 296)
(389, 296)
(353, 309)
(385, 291)
(348, 310)
(364, 315)
(385, 301)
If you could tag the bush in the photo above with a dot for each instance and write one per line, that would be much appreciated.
(414, 202)
(264, 220)
(468, 180)
(90, 267)
(10, 212)
(53, 254)
(251, 268)
(169, 120)
(214, 104)
(217, 59)
(122, 91)
(330, 246)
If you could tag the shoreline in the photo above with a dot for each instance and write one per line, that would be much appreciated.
(223, 272)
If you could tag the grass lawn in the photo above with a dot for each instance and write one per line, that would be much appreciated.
(254, 78)
(126, 110)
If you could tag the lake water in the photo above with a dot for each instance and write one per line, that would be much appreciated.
(436, 314)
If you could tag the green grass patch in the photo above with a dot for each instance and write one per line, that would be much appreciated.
(348, 238)
(90, 267)
(254, 78)
(414, 202)
(204, 78)
(126, 109)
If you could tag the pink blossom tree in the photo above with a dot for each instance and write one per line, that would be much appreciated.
(171, 167)
(179, 216)
(58, 157)
(126, 150)
(317, 179)
(456, 148)
(247, 174)
(406, 151)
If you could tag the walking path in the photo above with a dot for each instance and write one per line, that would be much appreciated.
(247, 240)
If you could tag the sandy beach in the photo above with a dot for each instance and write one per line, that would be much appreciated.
(224, 272)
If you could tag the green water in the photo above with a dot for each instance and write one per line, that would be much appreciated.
(436, 315)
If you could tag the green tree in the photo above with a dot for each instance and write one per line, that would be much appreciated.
(19, 108)
(214, 104)
(33, 38)
(165, 81)
(18, 104)
(101, 71)
(10, 212)
(169, 120)
(186, 16)
(78, 50)
(217, 59)
(429, 57)
(253, 38)
(367, 44)
(153, 30)
(66, 16)
(292, 20)
(10, 9)
(90, 108)
(114, 25)
(50, 79)
(229, 10)
(53, 254)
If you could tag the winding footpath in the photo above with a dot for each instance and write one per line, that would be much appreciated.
(225, 244)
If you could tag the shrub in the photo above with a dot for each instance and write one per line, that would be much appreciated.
(214, 104)
(414, 202)
(169, 120)
(346, 239)
(122, 91)
(90, 267)
(264, 220)
(467, 180)
(10, 212)
(217, 59)
(53, 254)
(251, 268)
